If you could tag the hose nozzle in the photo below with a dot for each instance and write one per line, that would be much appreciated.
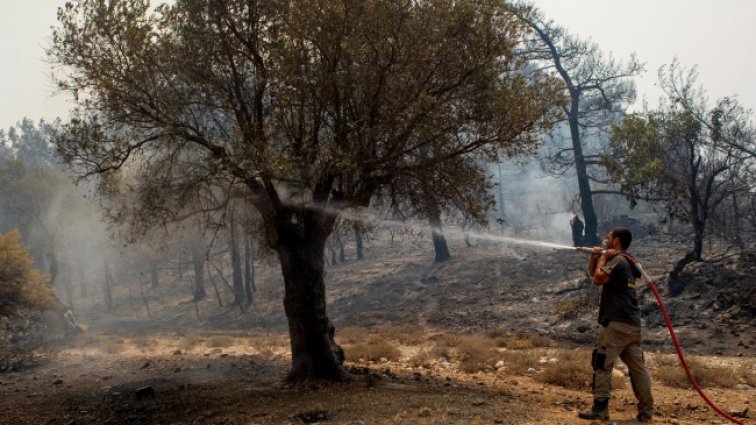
(586, 250)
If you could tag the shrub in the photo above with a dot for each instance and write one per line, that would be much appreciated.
(21, 286)
(23, 292)
(425, 357)
(568, 374)
(518, 361)
(350, 335)
(567, 308)
(476, 353)
(573, 370)
(19, 338)
(372, 349)
(448, 340)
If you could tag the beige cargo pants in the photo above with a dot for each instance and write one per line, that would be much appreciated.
(621, 340)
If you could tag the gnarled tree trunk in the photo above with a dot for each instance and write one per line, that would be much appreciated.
(300, 246)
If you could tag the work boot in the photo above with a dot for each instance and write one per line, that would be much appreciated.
(644, 418)
(600, 410)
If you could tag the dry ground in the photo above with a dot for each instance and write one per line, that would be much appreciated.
(487, 338)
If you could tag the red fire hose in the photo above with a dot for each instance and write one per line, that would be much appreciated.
(680, 355)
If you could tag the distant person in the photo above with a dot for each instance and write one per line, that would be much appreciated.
(577, 230)
(620, 327)
(62, 311)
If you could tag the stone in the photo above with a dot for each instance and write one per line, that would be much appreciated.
(146, 391)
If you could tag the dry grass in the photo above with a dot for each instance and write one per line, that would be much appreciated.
(221, 341)
(192, 341)
(447, 340)
(427, 356)
(572, 369)
(267, 341)
(518, 341)
(476, 353)
(110, 345)
(667, 370)
(518, 361)
(407, 335)
(568, 374)
(481, 351)
(374, 348)
(351, 335)
(750, 378)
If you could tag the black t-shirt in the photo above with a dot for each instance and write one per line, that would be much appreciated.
(618, 297)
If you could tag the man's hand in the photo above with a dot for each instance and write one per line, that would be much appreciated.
(611, 253)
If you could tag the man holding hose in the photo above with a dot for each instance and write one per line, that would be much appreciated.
(620, 327)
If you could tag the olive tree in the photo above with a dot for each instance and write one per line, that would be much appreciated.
(308, 107)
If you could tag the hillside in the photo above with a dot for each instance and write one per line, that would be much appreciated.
(498, 334)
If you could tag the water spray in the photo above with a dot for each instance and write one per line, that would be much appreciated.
(672, 334)
(374, 220)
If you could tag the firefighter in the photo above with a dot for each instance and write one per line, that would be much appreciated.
(620, 327)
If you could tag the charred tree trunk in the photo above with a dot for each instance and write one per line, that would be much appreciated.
(698, 239)
(249, 269)
(198, 292)
(181, 264)
(236, 268)
(342, 254)
(698, 209)
(154, 280)
(358, 242)
(676, 284)
(584, 185)
(300, 244)
(53, 267)
(439, 241)
(107, 284)
(737, 217)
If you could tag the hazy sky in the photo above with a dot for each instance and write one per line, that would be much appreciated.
(719, 37)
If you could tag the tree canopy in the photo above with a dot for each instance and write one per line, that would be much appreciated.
(687, 155)
(21, 286)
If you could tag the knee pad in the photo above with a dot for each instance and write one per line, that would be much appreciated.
(598, 360)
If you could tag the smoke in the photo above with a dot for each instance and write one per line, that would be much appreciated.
(533, 204)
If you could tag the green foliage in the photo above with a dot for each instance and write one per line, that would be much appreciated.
(295, 98)
(637, 158)
(21, 286)
(687, 155)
